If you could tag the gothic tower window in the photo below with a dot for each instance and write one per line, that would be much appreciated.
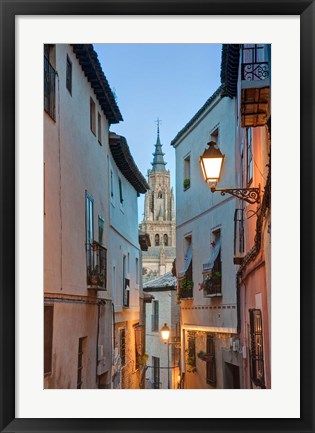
(166, 240)
(152, 202)
(157, 240)
(160, 195)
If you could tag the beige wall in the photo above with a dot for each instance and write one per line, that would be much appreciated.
(75, 162)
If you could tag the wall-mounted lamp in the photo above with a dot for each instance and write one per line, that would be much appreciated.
(211, 163)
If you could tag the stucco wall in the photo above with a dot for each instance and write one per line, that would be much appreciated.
(168, 313)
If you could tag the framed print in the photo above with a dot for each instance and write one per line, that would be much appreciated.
(100, 351)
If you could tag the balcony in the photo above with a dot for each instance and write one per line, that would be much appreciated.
(185, 289)
(212, 284)
(255, 87)
(96, 266)
(49, 89)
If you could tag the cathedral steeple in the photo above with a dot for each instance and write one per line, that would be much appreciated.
(158, 163)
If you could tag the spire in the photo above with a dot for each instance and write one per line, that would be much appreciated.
(158, 163)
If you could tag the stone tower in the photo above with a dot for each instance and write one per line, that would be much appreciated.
(159, 218)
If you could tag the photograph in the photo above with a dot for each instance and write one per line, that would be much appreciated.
(157, 216)
(146, 283)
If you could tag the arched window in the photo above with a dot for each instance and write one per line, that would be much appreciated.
(166, 240)
(160, 195)
(157, 240)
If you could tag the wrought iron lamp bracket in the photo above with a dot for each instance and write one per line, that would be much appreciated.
(176, 344)
(251, 195)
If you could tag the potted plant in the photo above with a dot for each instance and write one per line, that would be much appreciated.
(186, 183)
(204, 356)
(190, 362)
(185, 287)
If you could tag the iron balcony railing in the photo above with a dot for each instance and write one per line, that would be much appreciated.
(254, 64)
(49, 89)
(96, 266)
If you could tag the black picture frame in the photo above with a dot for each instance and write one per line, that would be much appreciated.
(9, 10)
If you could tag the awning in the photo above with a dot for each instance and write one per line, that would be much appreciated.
(187, 261)
(207, 267)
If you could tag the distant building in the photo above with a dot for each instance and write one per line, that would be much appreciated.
(163, 360)
(159, 218)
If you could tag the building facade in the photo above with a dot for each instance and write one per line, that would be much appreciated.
(79, 107)
(163, 359)
(246, 73)
(126, 183)
(159, 218)
(204, 252)
(93, 300)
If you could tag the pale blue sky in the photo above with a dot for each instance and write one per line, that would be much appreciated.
(169, 81)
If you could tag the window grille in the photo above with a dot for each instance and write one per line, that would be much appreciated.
(122, 345)
(210, 366)
(256, 348)
(156, 372)
(49, 89)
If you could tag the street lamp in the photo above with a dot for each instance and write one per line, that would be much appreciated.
(165, 334)
(211, 162)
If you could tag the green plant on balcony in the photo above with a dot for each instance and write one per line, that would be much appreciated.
(190, 361)
(185, 288)
(186, 183)
(212, 283)
(204, 356)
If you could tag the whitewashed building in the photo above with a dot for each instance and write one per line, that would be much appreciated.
(163, 359)
(204, 251)
(126, 183)
(79, 108)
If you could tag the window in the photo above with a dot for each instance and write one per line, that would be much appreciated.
(156, 372)
(48, 337)
(111, 184)
(186, 172)
(120, 192)
(69, 75)
(157, 240)
(166, 240)
(49, 82)
(92, 116)
(238, 236)
(160, 195)
(89, 221)
(249, 149)
(137, 270)
(100, 230)
(256, 348)
(80, 369)
(214, 136)
(185, 276)
(155, 316)
(152, 202)
(99, 128)
(126, 285)
(191, 351)
(122, 345)
(210, 366)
